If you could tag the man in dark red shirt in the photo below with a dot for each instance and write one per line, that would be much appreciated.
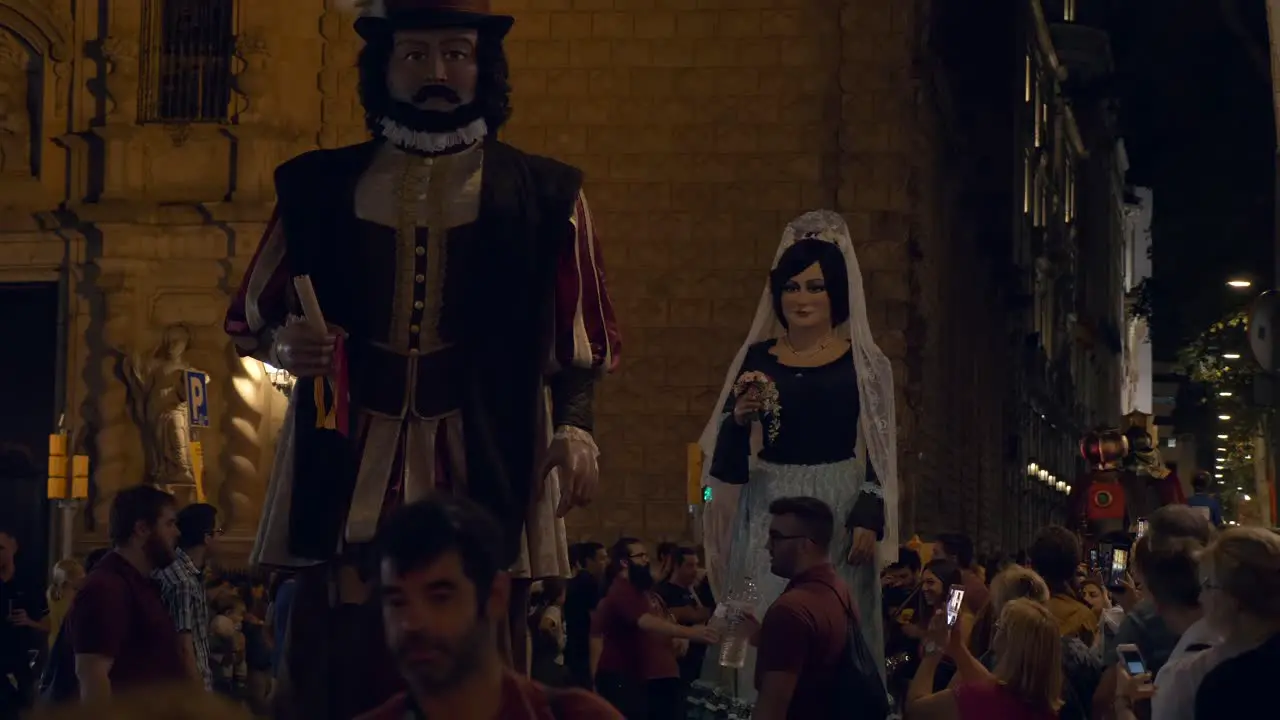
(443, 599)
(121, 633)
(804, 633)
(637, 668)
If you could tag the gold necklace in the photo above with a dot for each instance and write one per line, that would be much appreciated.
(821, 346)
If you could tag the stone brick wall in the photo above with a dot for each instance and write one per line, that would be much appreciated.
(703, 127)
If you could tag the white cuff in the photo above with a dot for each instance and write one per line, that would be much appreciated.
(573, 434)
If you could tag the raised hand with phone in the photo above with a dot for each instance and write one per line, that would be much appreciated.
(1134, 681)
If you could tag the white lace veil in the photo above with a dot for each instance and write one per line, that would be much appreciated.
(877, 423)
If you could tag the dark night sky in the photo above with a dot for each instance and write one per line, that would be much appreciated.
(1196, 115)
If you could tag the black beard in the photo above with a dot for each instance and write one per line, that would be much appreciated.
(641, 576)
(426, 121)
(466, 655)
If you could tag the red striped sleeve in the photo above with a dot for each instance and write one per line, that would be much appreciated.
(586, 328)
(262, 299)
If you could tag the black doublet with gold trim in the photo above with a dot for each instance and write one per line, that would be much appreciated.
(439, 268)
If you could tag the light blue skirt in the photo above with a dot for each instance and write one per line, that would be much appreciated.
(836, 484)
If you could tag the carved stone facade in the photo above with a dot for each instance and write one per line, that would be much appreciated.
(147, 226)
(702, 128)
(701, 132)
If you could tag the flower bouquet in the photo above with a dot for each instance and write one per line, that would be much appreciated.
(761, 387)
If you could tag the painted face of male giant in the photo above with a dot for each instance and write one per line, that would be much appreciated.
(424, 86)
(435, 71)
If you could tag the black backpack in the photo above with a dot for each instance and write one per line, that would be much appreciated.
(858, 682)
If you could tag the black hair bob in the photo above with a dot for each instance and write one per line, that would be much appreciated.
(800, 257)
(493, 84)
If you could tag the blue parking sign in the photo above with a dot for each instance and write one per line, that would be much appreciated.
(197, 399)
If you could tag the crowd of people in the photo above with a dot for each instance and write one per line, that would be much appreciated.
(153, 607)
(1191, 629)
(1188, 632)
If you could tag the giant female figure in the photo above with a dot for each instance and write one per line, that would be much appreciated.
(807, 409)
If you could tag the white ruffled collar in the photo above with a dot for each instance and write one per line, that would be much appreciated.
(429, 143)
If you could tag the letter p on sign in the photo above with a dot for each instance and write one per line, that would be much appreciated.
(197, 399)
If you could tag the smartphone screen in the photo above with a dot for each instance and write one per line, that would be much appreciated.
(1093, 560)
(1119, 566)
(954, 600)
(1142, 527)
(1132, 659)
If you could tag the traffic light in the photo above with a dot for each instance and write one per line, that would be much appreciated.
(693, 473)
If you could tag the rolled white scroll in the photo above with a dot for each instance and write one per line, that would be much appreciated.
(310, 304)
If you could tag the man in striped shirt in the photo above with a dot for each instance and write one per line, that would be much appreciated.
(182, 586)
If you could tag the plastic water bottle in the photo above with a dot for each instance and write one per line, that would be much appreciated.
(733, 647)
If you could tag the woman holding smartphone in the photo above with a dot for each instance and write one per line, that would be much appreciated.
(936, 583)
(1025, 684)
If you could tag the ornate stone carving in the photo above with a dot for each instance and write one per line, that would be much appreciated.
(121, 55)
(61, 86)
(254, 413)
(253, 81)
(158, 405)
(17, 119)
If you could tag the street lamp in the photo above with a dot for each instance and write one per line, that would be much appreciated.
(1240, 283)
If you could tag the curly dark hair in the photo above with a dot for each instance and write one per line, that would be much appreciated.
(493, 87)
(1055, 554)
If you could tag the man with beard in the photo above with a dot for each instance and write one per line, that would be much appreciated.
(468, 319)
(444, 594)
(633, 654)
(121, 632)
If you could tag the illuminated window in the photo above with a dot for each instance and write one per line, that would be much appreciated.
(1038, 200)
(1027, 81)
(1071, 198)
(1039, 108)
(186, 61)
(1069, 189)
(1026, 183)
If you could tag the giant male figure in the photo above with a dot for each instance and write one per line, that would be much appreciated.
(468, 320)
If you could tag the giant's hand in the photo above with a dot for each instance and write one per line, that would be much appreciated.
(862, 546)
(747, 408)
(573, 452)
(303, 352)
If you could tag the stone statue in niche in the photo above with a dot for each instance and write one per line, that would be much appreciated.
(158, 404)
(15, 105)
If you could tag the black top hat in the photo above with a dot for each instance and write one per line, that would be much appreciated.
(383, 16)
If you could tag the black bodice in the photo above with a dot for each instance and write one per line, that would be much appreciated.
(819, 406)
